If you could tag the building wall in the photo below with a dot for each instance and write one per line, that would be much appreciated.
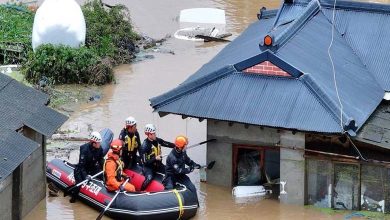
(33, 174)
(221, 150)
(292, 168)
(292, 162)
(6, 198)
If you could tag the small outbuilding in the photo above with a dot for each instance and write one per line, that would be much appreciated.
(25, 122)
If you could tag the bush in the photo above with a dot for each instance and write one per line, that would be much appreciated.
(110, 40)
(64, 65)
(16, 24)
(109, 31)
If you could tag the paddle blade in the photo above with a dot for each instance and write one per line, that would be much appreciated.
(68, 190)
(100, 215)
(211, 165)
(210, 140)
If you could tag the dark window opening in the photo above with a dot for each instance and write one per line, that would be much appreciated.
(254, 165)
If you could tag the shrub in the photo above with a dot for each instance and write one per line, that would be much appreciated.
(16, 24)
(109, 31)
(64, 65)
(110, 40)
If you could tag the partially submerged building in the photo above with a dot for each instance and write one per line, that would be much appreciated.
(300, 95)
(25, 122)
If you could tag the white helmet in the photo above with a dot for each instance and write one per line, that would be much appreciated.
(149, 128)
(130, 121)
(95, 136)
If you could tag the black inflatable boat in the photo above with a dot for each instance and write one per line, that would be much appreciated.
(168, 204)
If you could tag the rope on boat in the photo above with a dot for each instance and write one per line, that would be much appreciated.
(181, 209)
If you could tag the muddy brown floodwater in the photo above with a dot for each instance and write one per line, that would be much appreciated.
(138, 82)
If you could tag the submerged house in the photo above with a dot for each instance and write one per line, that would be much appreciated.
(25, 122)
(300, 96)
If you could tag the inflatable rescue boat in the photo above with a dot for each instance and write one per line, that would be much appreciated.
(154, 203)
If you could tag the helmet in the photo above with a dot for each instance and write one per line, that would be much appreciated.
(130, 121)
(95, 137)
(116, 145)
(181, 141)
(149, 128)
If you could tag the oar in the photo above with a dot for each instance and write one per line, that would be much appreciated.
(112, 200)
(210, 165)
(195, 145)
(70, 188)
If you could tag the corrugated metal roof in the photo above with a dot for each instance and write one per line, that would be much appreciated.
(21, 105)
(270, 101)
(288, 14)
(359, 92)
(248, 41)
(368, 33)
(304, 50)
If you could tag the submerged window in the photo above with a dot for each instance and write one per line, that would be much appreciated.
(319, 179)
(248, 167)
(373, 189)
(346, 186)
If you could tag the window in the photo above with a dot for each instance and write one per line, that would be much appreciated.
(255, 165)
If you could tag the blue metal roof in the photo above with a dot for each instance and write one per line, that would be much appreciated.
(263, 100)
(368, 33)
(302, 35)
(359, 92)
(248, 41)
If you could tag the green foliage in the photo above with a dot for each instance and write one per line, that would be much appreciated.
(110, 32)
(16, 24)
(110, 40)
(64, 65)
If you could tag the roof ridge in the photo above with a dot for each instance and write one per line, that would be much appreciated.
(349, 124)
(311, 9)
(10, 79)
(357, 6)
(188, 87)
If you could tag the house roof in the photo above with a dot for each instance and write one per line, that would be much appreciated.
(22, 106)
(301, 33)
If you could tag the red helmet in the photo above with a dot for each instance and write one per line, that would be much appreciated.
(181, 141)
(116, 145)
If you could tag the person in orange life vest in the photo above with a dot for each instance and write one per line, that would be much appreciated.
(130, 136)
(150, 153)
(113, 169)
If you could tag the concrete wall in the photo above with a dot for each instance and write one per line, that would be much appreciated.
(221, 151)
(292, 168)
(6, 198)
(26, 187)
(33, 174)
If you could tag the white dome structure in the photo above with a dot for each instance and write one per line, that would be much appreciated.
(59, 22)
